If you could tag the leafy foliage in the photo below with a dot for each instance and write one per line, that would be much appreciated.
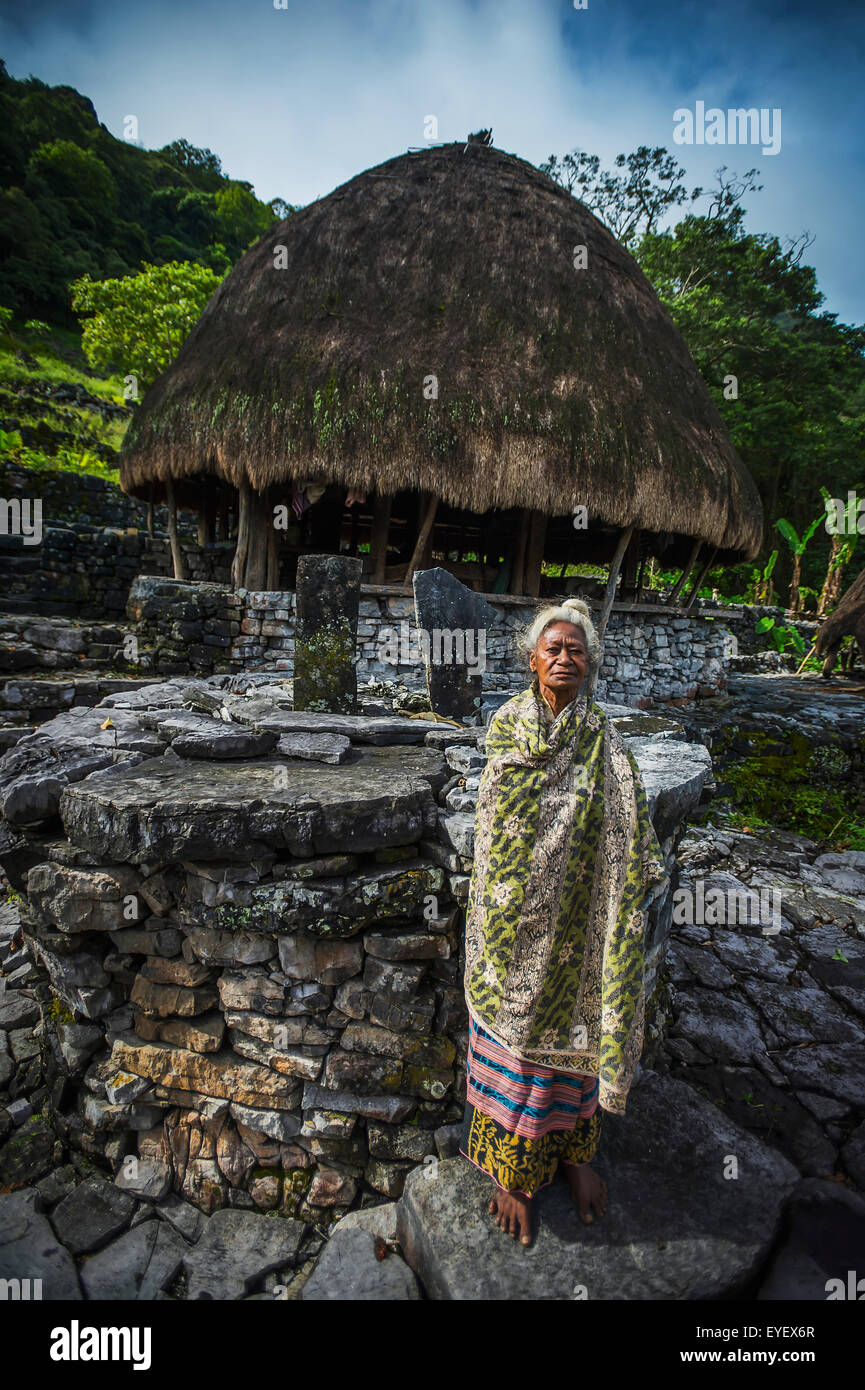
(137, 324)
(788, 378)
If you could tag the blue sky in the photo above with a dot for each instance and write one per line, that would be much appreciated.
(297, 100)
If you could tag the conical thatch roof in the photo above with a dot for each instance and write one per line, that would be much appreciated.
(847, 618)
(556, 386)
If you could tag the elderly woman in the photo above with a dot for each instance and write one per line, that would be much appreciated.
(564, 853)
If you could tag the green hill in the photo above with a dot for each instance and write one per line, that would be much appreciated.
(75, 200)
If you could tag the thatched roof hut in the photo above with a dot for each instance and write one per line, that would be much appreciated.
(848, 619)
(423, 335)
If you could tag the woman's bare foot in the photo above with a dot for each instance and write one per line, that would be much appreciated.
(512, 1211)
(587, 1189)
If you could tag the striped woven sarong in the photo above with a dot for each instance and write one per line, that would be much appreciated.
(525, 1098)
(522, 1119)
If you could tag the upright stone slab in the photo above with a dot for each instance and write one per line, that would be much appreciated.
(452, 624)
(325, 639)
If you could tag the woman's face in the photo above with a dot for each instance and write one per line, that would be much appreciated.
(561, 658)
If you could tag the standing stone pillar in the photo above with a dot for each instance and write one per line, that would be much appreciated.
(325, 639)
(452, 624)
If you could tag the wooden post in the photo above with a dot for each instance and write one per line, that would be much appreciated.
(518, 568)
(643, 558)
(271, 582)
(701, 576)
(238, 564)
(207, 518)
(695, 550)
(423, 536)
(271, 569)
(150, 512)
(630, 561)
(610, 594)
(260, 518)
(535, 553)
(378, 539)
(173, 539)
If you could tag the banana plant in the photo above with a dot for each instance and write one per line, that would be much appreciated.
(797, 546)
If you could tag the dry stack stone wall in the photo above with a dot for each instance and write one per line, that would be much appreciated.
(206, 628)
(251, 919)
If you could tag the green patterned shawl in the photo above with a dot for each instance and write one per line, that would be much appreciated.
(555, 926)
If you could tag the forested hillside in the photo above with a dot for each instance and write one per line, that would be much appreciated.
(75, 200)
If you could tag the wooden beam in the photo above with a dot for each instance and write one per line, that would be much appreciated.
(701, 576)
(238, 564)
(535, 553)
(423, 536)
(680, 583)
(378, 540)
(516, 584)
(173, 538)
(610, 594)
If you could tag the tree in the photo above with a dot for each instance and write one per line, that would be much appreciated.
(244, 219)
(138, 323)
(75, 175)
(788, 378)
(630, 204)
(204, 164)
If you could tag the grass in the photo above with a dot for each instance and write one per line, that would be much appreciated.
(31, 361)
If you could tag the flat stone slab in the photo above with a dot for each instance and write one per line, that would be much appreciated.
(420, 761)
(236, 1248)
(91, 1215)
(360, 728)
(721, 1026)
(319, 748)
(219, 1074)
(138, 1265)
(673, 774)
(832, 1069)
(349, 1269)
(330, 906)
(448, 736)
(195, 735)
(165, 809)
(29, 1250)
(676, 1227)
